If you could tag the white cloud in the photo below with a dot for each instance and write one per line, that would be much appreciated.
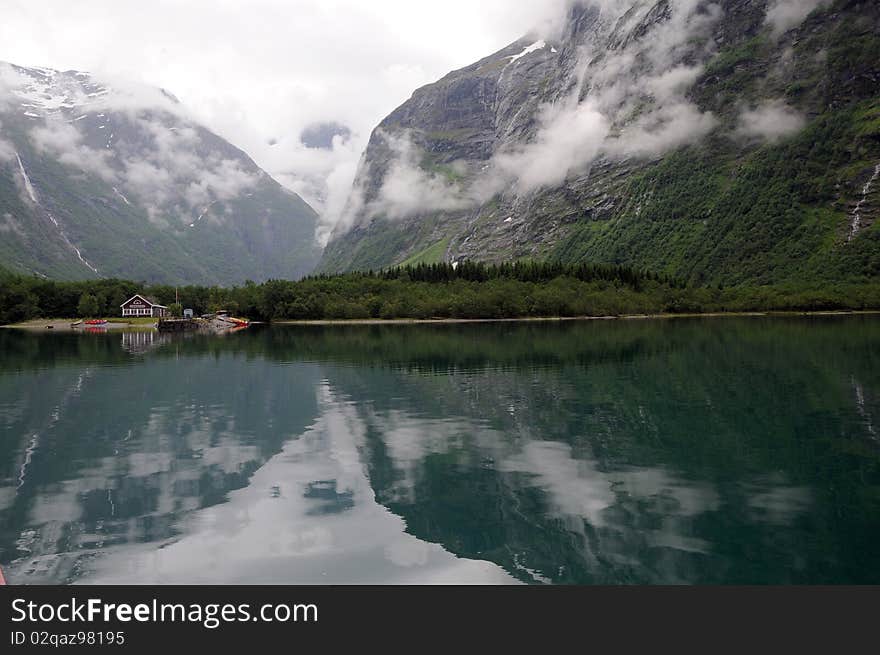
(771, 121)
(152, 171)
(668, 127)
(9, 225)
(673, 82)
(224, 181)
(784, 15)
(8, 81)
(7, 150)
(631, 104)
(64, 141)
(408, 189)
(262, 70)
(570, 138)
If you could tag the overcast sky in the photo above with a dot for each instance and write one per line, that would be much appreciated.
(261, 70)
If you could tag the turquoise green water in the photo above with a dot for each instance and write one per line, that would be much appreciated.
(684, 452)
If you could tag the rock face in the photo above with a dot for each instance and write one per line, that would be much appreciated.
(724, 142)
(116, 180)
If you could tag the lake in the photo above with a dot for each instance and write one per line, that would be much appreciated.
(686, 451)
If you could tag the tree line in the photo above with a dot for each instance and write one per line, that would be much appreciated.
(469, 290)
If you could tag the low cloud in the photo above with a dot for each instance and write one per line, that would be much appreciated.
(63, 141)
(7, 150)
(408, 189)
(626, 103)
(667, 128)
(170, 176)
(569, 139)
(324, 177)
(9, 225)
(639, 93)
(770, 122)
(673, 83)
(784, 15)
(338, 181)
(225, 180)
(9, 81)
(164, 171)
(133, 98)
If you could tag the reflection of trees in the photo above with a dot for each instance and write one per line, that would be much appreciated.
(706, 451)
(736, 457)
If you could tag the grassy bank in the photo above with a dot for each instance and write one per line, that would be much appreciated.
(65, 324)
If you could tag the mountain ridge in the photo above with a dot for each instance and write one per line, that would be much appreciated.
(99, 180)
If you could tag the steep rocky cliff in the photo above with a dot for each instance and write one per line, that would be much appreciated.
(723, 142)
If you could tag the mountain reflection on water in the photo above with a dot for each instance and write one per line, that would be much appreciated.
(685, 451)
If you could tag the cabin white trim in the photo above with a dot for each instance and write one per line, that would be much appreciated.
(139, 306)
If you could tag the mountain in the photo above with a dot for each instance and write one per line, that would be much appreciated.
(723, 142)
(111, 179)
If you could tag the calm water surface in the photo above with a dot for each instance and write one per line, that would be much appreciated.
(686, 451)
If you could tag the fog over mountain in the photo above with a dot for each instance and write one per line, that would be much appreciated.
(259, 73)
(107, 178)
(696, 137)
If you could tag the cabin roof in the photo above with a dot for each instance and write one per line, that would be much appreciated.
(150, 301)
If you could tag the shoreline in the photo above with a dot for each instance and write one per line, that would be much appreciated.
(572, 319)
(61, 325)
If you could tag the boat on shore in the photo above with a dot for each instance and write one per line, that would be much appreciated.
(223, 315)
(76, 324)
(96, 322)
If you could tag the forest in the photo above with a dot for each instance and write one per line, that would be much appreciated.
(433, 291)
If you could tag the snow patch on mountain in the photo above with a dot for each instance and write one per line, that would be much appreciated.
(152, 152)
(537, 45)
(121, 195)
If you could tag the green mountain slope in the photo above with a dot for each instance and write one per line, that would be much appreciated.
(97, 183)
(777, 214)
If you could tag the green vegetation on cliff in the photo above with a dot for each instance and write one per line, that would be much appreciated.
(771, 216)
